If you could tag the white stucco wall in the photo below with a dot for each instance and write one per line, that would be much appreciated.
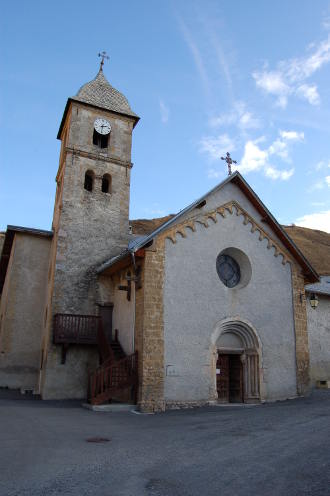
(22, 312)
(318, 322)
(228, 193)
(123, 317)
(195, 300)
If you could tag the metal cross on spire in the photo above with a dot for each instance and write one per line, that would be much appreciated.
(229, 161)
(104, 55)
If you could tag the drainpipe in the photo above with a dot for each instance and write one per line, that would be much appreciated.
(133, 334)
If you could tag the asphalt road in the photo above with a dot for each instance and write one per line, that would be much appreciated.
(275, 449)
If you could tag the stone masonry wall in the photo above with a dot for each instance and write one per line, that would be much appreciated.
(300, 323)
(149, 313)
(91, 226)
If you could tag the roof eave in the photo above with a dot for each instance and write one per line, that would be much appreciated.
(30, 230)
(317, 291)
(135, 118)
(310, 273)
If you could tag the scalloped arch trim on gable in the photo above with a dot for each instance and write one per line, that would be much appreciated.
(221, 213)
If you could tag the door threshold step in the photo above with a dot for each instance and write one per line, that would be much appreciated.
(246, 405)
(111, 407)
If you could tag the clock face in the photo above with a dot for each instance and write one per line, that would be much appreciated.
(102, 126)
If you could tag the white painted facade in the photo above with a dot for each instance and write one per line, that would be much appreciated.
(318, 322)
(196, 302)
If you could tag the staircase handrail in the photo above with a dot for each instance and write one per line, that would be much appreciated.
(113, 376)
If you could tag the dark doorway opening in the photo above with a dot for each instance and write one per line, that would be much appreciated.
(106, 318)
(230, 378)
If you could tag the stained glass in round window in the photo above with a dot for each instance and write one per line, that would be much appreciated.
(228, 270)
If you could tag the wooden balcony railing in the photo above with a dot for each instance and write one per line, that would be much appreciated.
(75, 329)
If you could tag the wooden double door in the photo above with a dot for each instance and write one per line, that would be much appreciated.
(230, 378)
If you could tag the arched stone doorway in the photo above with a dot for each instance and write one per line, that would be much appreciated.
(237, 352)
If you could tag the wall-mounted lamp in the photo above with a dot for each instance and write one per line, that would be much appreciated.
(313, 300)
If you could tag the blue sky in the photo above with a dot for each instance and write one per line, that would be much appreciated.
(206, 77)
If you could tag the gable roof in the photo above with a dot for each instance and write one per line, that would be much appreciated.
(322, 287)
(236, 178)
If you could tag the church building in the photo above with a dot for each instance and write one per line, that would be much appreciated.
(206, 306)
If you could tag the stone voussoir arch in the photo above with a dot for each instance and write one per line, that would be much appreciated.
(250, 350)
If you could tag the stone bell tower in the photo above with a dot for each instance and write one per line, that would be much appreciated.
(91, 213)
(91, 216)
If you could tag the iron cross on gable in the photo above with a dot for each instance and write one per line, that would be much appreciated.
(229, 161)
(104, 55)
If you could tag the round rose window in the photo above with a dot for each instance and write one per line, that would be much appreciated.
(228, 270)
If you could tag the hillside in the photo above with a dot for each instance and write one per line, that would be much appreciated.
(315, 245)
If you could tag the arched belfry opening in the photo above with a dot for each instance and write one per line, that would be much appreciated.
(89, 180)
(238, 356)
(106, 183)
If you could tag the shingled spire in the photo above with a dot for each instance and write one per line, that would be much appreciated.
(100, 93)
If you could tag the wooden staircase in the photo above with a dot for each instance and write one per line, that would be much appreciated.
(116, 372)
(111, 378)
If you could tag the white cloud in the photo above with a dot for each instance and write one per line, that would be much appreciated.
(220, 55)
(257, 158)
(317, 185)
(290, 75)
(323, 164)
(282, 101)
(223, 120)
(216, 146)
(309, 93)
(164, 112)
(320, 184)
(254, 158)
(197, 56)
(292, 135)
(319, 220)
(326, 22)
(239, 116)
(280, 148)
(273, 173)
(272, 82)
(215, 174)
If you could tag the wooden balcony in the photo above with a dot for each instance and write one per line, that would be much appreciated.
(76, 329)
